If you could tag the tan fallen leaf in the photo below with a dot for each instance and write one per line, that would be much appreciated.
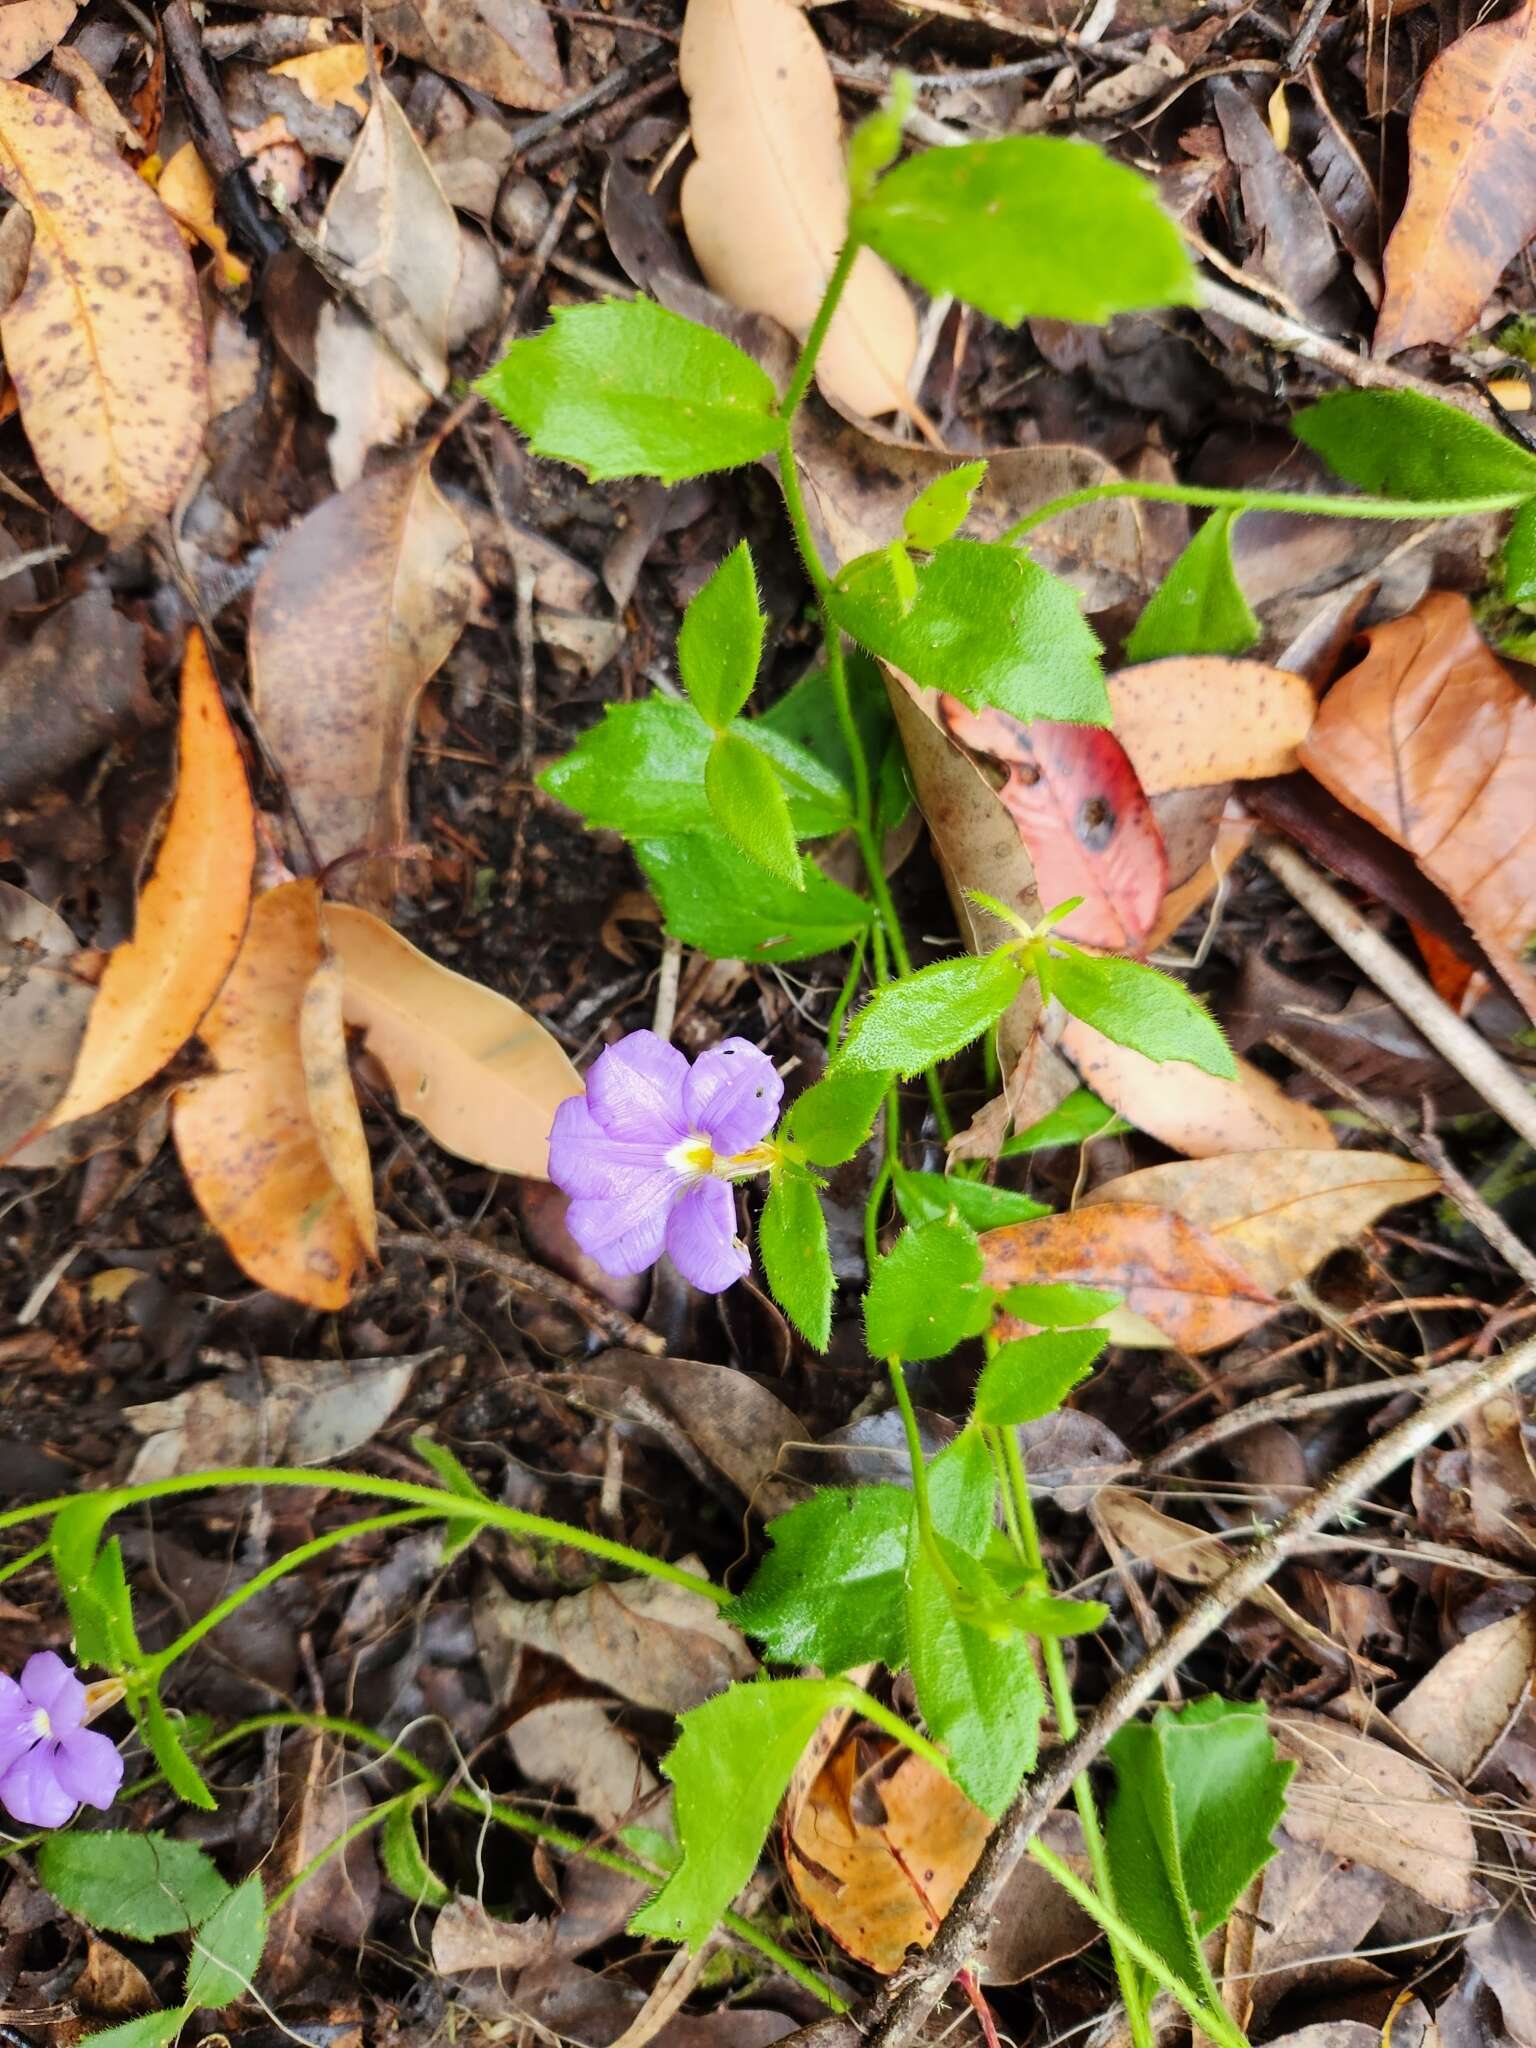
(105, 342)
(28, 31)
(466, 1937)
(44, 1004)
(575, 1743)
(1192, 1112)
(332, 1098)
(1281, 1212)
(1457, 1714)
(502, 47)
(330, 77)
(1232, 837)
(245, 1133)
(191, 914)
(388, 223)
(355, 610)
(277, 1411)
(1194, 720)
(765, 202)
(93, 103)
(186, 191)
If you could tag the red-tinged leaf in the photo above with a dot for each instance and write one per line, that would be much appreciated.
(1082, 813)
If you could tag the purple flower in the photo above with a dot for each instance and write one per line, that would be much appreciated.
(648, 1155)
(49, 1763)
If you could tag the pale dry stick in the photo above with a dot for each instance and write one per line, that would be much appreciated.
(897, 2015)
(460, 1250)
(1299, 340)
(1297, 1408)
(1466, 1050)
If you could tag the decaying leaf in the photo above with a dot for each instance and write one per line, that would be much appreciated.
(574, 1743)
(475, 1070)
(502, 47)
(1430, 739)
(388, 223)
(1195, 720)
(331, 1098)
(1471, 203)
(1280, 1213)
(77, 684)
(330, 77)
(279, 1411)
(246, 1134)
(28, 31)
(353, 613)
(1169, 1272)
(765, 202)
(1456, 1715)
(43, 1008)
(466, 1937)
(105, 342)
(321, 1798)
(191, 915)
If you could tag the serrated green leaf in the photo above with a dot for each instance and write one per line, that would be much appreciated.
(792, 1238)
(1073, 1122)
(748, 803)
(829, 1592)
(641, 772)
(149, 2030)
(833, 1119)
(626, 388)
(651, 1845)
(139, 1885)
(163, 1738)
(987, 624)
(924, 1017)
(714, 898)
(721, 641)
(227, 1947)
(405, 1864)
(1517, 560)
(1136, 1006)
(450, 1472)
(98, 1609)
(962, 1491)
(807, 715)
(1199, 607)
(876, 142)
(1031, 1376)
(730, 1767)
(1406, 445)
(923, 1197)
(977, 1692)
(1029, 227)
(1059, 1304)
(924, 1297)
(937, 513)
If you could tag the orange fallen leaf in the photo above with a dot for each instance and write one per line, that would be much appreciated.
(1431, 740)
(332, 1099)
(329, 77)
(186, 192)
(191, 915)
(246, 1134)
(1195, 720)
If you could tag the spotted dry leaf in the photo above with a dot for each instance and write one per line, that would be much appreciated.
(502, 47)
(105, 341)
(28, 31)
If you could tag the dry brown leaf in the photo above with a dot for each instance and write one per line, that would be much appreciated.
(28, 31)
(245, 1134)
(105, 342)
(1471, 202)
(1431, 740)
(43, 1008)
(1359, 1799)
(1310, 1904)
(330, 77)
(77, 684)
(1280, 1213)
(474, 1070)
(574, 1743)
(765, 202)
(1192, 1112)
(191, 914)
(1232, 836)
(502, 47)
(1170, 1272)
(1457, 1714)
(277, 1411)
(466, 1937)
(332, 1099)
(355, 610)
(320, 1798)
(389, 225)
(1195, 720)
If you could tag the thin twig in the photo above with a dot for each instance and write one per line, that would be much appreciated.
(224, 156)
(1298, 340)
(461, 1250)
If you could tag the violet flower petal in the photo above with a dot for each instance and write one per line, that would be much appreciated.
(733, 1095)
(624, 1231)
(87, 1767)
(31, 1793)
(701, 1238)
(635, 1090)
(18, 1730)
(49, 1683)
(585, 1162)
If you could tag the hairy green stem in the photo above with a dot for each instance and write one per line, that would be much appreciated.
(1266, 501)
(24, 1562)
(927, 1535)
(846, 993)
(805, 368)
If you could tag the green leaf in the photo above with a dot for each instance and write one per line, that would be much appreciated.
(721, 641)
(807, 715)
(1199, 607)
(987, 624)
(1404, 445)
(139, 1885)
(911, 1023)
(405, 1865)
(1032, 1376)
(923, 1295)
(651, 1846)
(748, 802)
(1073, 1122)
(94, 1584)
(962, 1491)
(1517, 561)
(941, 510)
(714, 898)
(730, 1767)
(977, 1692)
(450, 1473)
(641, 772)
(876, 143)
(829, 1592)
(163, 1738)
(227, 1947)
(923, 1197)
(1138, 1007)
(1198, 1794)
(1057, 1304)
(625, 388)
(149, 2030)
(832, 1120)
(1029, 228)
(792, 1238)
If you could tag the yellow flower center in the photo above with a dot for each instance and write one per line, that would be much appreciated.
(41, 1722)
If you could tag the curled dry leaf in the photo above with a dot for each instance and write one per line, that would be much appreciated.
(1195, 720)
(1169, 1272)
(43, 1008)
(332, 1100)
(354, 612)
(105, 342)
(28, 31)
(1471, 203)
(765, 202)
(475, 1071)
(191, 915)
(1431, 741)
(1457, 1714)
(1280, 1213)
(246, 1133)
